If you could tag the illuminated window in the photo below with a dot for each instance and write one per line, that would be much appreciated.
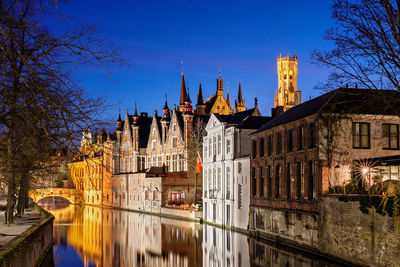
(361, 135)
(390, 135)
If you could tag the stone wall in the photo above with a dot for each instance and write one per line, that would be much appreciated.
(30, 248)
(339, 229)
(346, 232)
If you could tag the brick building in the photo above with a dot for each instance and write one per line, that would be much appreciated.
(304, 152)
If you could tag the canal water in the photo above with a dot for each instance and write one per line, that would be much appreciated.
(92, 236)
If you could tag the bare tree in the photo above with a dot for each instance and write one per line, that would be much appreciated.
(367, 44)
(195, 148)
(35, 80)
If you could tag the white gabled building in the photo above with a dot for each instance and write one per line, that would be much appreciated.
(226, 167)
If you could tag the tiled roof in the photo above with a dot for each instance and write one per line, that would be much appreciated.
(341, 100)
(244, 120)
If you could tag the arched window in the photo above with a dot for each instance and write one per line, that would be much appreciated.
(155, 195)
(146, 195)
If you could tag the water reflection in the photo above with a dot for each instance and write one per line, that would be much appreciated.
(91, 236)
(105, 237)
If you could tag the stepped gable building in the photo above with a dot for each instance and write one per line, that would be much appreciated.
(287, 95)
(149, 147)
(226, 180)
(314, 147)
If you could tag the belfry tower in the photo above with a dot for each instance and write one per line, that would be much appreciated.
(287, 95)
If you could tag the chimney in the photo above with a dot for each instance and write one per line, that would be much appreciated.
(276, 111)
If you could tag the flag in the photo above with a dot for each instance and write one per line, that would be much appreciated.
(199, 163)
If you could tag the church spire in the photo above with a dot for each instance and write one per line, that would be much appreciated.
(200, 106)
(183, 91)
(228, 101)
(183, 97)
(200, 100)
(135, 116)
(166, 104)
(240, 97)
(220, 87)
(240, 104)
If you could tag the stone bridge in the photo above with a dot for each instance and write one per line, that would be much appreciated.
(72, 195)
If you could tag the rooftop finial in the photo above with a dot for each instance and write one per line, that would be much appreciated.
(219, 73)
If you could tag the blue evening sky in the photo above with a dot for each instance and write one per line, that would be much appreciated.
(243, 38)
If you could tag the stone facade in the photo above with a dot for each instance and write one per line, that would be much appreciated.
(226, 162)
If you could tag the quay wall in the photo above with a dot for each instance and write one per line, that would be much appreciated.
(32, 246)
(339, 229)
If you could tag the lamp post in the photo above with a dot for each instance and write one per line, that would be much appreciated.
(367, 173)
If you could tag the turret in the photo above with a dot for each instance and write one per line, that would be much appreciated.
(240, 104)
(183, 97)
(119, 123)
(135, 116)
(220, 85)
(188, 104)
(200, 107)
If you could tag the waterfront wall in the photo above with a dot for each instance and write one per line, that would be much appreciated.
(31, 247)
(338, 229)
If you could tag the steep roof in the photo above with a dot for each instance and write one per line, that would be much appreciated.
(200, 100)
(341, 100)
(210, 103)
(183, 91)
(244, 120)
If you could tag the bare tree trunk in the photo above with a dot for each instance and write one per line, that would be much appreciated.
(195, 187)
(10, 180)
(22, 194)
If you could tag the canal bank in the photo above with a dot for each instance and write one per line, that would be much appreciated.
(93, 236)
(271, 239)
(27, 242)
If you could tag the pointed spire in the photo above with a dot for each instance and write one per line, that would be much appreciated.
(166, 104)
(188, 97)
(119, 121)
(183, 90)
(240, 97)
(228, 101)
(136, 115)
(200, 100)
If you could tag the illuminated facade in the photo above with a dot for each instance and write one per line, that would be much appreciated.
(90, 169)
(121, 169)
(316, 147)
(288, 94)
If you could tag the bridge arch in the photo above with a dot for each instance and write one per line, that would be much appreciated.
(69, 194)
